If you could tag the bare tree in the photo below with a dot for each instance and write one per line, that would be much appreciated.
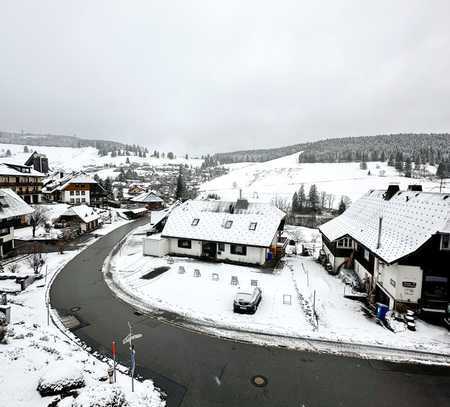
(281, 203)
(330, 199)
(323, 199)
(37, 218)
(36, 260)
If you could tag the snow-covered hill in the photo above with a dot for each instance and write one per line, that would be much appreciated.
(68, 159)
(283, 176)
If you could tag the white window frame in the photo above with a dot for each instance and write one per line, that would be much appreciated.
(447, 237)
(345, 243)
(228, 224)
(195, 221)
(253, 225)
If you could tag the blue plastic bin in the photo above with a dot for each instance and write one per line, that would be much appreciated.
(382, 309)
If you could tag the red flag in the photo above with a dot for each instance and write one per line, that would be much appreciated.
(114, 348)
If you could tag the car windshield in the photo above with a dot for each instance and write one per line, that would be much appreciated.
(243, 297)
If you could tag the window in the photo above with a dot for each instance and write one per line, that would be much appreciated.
(345, 242)
(252, 225)
(228, 224)
(238, 249)
(78, 200)
(72, 200)
(195, 222)
(366, 254)
(445, 242)
(184, 243)
(78, 192)
(221, 247)
(83, 199)
(83, 192)
(71, 192)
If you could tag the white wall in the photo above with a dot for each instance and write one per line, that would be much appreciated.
(392, 277)
(195, 250)
(155, 247)
(362, 272)
(66, 197)
(255, 255)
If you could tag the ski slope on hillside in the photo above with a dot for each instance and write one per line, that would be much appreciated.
(70, 159)
(283, 176)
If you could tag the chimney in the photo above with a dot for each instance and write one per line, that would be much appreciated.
(415, 187)
(391, 191)
(380, 227)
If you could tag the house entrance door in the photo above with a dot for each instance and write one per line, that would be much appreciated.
(209, 249)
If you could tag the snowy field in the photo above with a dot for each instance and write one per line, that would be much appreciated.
(36, 350)
(283, 176)
(286, 308)
(75, 159)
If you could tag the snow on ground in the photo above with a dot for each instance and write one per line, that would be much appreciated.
(35, 347)
(283, 176)
(207, 301)
(71, 159)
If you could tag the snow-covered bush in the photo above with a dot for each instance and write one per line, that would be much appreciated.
(60, 377)
(107, 395)
(103, 395)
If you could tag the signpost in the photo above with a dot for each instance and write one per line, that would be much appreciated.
(129, 339)
(114, 359)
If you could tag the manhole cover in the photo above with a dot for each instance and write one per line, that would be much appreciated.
(75, 309)
(259, 381)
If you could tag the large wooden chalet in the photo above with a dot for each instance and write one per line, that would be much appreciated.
(24, 180)
(398, 242)
(75, 188)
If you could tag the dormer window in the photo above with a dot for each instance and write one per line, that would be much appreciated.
(195, 222)
(252, 225)
(228, 224)
(445, 242)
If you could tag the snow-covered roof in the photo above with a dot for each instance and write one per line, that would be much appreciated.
(58, 183)
(84, 212)
(410, 218)
(146, 197)
(254, 224)
(5, 169)
(12, 205)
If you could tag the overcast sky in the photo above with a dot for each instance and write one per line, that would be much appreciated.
(222, 75)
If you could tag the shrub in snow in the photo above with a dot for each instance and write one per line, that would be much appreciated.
(103, 395)
(60, 377)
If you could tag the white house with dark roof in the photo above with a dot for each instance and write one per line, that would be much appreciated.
(242, 231)
(12, 209)
(399, 243)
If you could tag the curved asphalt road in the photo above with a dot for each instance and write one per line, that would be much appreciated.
(199, 370)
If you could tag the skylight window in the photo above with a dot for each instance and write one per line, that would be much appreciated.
(228, 224)
(252, 225)
(195, 222)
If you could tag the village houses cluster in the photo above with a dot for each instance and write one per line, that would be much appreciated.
(396, 243)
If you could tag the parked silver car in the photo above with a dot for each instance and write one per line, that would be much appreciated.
(247, 302)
